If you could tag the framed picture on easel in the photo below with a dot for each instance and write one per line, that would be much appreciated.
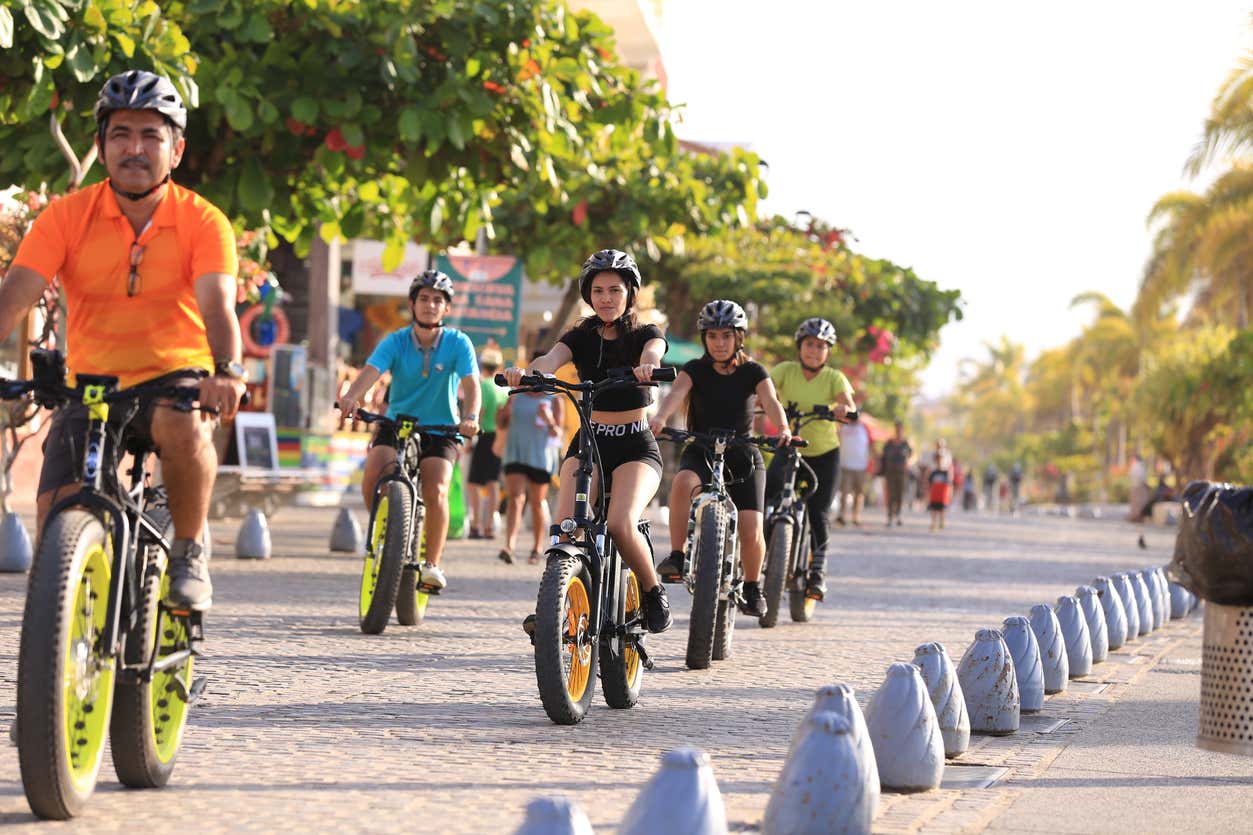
(256, 438)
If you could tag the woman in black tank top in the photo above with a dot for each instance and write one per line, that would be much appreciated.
(720, 388)
(612, 338)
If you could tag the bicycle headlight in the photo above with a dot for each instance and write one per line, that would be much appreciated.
(568, 526)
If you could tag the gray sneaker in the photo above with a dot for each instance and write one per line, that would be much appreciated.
(189, 576)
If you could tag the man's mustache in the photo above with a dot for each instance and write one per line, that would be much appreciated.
(142, 162)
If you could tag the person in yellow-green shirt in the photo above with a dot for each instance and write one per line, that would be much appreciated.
(807, 382)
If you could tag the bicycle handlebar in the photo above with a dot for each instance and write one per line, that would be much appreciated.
(731, 438)
(184, 397)
(428, 428)
(618, 377)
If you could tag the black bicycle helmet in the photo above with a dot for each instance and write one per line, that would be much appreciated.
(722, 313)
(819, 328)
(609, 261)
(431, 278)
(140, 90)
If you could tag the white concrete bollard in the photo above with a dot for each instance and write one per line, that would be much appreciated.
(1115, 615)
(841, 699)
(1090, 605)
(940, 676)
(1127, 594)
(1179, 602)
(1160, 616)
(1075, 634)
(908, 746)
(990, 683)
(826, 785)
(1144, 601)
(682, 798)
(554, 816)
(15, 549)
(1028, 670)
(1163, 588)
(346, 535)
(1048, 635)
(253, 540)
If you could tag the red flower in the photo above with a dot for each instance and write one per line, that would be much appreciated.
(493, 87)
(335, 140)
(580, 213)
(355, 151)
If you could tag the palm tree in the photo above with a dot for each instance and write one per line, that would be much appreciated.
(1203, 246)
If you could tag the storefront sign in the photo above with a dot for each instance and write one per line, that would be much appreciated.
(488, 298)
(369, 276)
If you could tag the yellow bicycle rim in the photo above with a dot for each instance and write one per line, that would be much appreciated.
(575, 642)
(370, 571)
(630, 655)
(87, 688)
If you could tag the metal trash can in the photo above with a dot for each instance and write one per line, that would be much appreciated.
(1227, 680)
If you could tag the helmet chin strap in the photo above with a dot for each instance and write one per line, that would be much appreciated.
(138, 195)
(813, 369)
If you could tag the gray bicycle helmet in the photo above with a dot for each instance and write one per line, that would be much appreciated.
(818, 328)
(431, 278)
(611, 261)
(140, 90)
(722, 313)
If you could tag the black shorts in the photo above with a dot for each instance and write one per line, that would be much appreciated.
(63, 447)
(620, 444)
(743, 469)
(431, 445)
(484, 465)
(534, 474)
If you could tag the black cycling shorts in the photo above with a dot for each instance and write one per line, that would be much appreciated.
(63, 447)
(430, 445)
(744, 471)
(620, 444)
(484, 465)
(533, 474)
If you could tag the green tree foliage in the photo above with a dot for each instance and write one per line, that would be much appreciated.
(401, 120)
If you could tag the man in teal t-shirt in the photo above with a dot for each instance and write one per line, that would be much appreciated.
(430, 365)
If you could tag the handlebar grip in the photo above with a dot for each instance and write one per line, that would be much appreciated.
(853, 415)
(500, 380)
(799, 442)
(665, 375)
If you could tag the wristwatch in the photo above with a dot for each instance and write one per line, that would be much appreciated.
(232, 369)
(470, 417)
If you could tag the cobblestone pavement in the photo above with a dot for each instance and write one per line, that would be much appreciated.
(308, 724)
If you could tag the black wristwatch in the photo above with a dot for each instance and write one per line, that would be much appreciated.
(231, 369)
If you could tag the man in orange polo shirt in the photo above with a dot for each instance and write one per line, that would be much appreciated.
(149, 271)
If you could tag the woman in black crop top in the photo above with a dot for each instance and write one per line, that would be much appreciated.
(612, 338)
(720, 387)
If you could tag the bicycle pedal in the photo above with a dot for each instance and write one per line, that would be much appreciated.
(198, 686)
(429, 589)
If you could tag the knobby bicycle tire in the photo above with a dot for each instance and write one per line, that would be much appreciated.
(411, 603)
(565, 657)
(777, 570)
(705, 587)
(724, 623)
(380, 581)
(63, 710)
(621, 668)
(800, 606)
(149, 716)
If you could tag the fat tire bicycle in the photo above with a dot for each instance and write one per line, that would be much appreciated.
(391, 576)
(787, 528)
(711, 563)
(102, 654)
(589, 609)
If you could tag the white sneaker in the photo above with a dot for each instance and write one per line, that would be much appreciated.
(432, 577)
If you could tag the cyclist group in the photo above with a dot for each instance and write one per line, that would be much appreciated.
(148, 269)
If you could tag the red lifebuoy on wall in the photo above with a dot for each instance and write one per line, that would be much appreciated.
(261, 335)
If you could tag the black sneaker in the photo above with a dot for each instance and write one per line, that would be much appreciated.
(671, 568)
(656, 609)
(815, 586)
(189, 577)
(528, 626)
(751, 601)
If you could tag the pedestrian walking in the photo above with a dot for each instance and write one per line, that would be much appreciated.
(990, 477)
(940, 479)
(526, 426)
(484, 473)
(895, 467)
(854, 464)
(1015, 487)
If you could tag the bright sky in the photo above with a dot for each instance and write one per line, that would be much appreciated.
(1010, 150)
